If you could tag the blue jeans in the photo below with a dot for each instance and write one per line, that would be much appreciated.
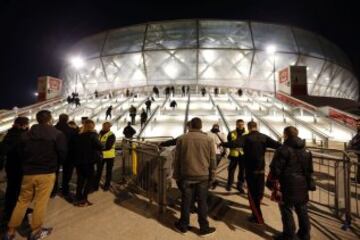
(191, 191)
(289, 224)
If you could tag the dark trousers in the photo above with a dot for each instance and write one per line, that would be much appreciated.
(234, 162)
(85, 181)
(194, 191)
(56, 184)
(13, 187)
(301, 211)
(132, 119)
(256, 184)
(108, 115)
(358, 170)
(109, 167)
(68, 169)
(148, 109)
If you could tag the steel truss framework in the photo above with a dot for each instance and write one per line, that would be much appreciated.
(208, 52)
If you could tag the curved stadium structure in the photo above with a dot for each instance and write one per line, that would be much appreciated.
(208, 52)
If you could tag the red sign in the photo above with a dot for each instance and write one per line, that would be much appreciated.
(54, 84)
(284, 75)
(294, 102)
(342, 117)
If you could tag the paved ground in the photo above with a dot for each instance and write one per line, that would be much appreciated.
(123, 215)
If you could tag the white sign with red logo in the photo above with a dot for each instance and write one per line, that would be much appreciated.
(48, 88)
(284, 81)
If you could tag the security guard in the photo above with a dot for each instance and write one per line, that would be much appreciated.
(107, 139)
(236, 157)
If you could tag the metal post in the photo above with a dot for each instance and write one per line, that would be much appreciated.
(274, 74)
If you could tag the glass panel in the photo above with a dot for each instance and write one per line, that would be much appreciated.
(270, 34)
(171, 67)
(332, 52)
(262, 75)
(92, 77)
(224, 67)
(225, 34)
(308, 43)
(89, 47)
(171, 35)
(125, 70)
(325, 78)
(124, 40)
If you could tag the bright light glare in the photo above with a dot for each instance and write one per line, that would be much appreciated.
(77, 62)
(271, 49)
(36, 94)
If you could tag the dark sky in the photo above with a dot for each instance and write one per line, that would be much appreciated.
(35, 35)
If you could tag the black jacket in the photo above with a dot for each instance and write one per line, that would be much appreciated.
(354, 144)
(11, 150)
(88, 149)
(129, 132)
(254, 145)
(71, 134)
(44, 149)
(290, 165)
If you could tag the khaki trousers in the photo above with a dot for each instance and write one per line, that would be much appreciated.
(35, 188)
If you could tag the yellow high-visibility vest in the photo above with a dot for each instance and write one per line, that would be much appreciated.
(235, 152)
(111, 152)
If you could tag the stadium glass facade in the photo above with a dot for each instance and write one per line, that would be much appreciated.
(208, 52)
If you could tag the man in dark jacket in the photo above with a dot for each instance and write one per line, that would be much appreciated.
(44, 146)
(173, 104)
(354, 144)
(148, 105)
(290, 166)
(108, 113)
(194, 168)
(108, 140)
(143, 118)
(68, 165)
(10, 149)
(254, 145)
(132, 112)
(129, 131)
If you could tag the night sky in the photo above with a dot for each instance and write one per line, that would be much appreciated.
(36, 35)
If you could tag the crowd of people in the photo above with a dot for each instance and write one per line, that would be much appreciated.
(198, 154)
(33, 157)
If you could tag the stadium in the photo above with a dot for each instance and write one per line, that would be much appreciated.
(208, 52)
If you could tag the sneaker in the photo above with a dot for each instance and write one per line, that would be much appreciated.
(8, 237)
(207, 232)
(228, 188)
(41, 234)
(180, 228)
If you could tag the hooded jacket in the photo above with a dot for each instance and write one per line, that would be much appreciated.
(44, 149)
(290, 165)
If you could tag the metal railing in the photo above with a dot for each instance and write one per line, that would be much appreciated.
(334, 172)
(144, 170)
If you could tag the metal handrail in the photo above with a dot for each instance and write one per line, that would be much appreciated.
(147, 122)
(259, 118)
(187, 113)
(322, 135)
(220, 113)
